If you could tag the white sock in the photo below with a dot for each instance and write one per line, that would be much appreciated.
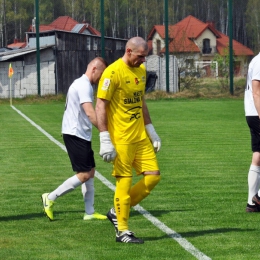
(87, 189)
(67, 186)
(253, 182)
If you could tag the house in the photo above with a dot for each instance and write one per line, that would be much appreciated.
(195, 43)
(62, 23)
(68, 24)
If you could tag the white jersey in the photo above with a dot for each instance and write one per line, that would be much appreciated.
(75, 121)
(253, 74)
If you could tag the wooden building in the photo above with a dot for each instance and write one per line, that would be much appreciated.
(63, 58)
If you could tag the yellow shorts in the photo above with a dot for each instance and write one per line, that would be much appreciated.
(140, 156)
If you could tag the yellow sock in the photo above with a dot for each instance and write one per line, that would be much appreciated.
(143, 188)
(122, 201)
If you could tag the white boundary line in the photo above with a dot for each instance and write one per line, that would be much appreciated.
(156, 222)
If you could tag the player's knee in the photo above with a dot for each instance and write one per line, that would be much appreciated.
(85, 176)
(151, 181)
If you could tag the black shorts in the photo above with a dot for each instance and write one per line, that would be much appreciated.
(254, 125)
(80, 153)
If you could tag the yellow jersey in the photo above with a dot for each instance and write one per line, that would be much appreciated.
(124, 87)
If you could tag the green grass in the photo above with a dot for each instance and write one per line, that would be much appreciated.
(204, 162)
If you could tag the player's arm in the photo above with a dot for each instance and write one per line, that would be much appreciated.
(107, 150)
(101, 114)
(90, 112)
(147, 118)
(155, 139)
(256, 95)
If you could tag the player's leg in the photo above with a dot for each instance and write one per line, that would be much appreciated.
(143, 188)
(119, 216)
(253, 203)
(88, 191)
(49, 198)
(122, 201)
(145, 162)
(253, 186)
(78, 150)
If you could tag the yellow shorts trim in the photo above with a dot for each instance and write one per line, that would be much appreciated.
(140, 156)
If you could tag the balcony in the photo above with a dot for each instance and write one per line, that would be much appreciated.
(206, 50)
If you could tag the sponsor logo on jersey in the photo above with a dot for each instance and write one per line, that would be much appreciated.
(137, 97)
(134, 112)
(132, 100)
(136, 81)
(106, 84)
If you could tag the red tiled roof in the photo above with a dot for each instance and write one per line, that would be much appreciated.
(181, 37)
(194, 27)
(42, 28)
(239, 48)
(91, 29)
(150, 46)
(157, 28)
(65, 23)
(179, 42)
(17, 45)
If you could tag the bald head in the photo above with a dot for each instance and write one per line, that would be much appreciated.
(135, 52)
(136, 43)
(97, 62)
(95, 69)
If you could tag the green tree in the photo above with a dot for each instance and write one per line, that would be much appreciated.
(18, 14)
(253, 23)
(223, 62)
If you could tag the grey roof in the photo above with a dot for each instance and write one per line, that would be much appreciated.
(77, 27)
(5, 49)
(7, 55)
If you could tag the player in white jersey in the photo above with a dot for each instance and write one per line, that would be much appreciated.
(78, 118)
(252, 112)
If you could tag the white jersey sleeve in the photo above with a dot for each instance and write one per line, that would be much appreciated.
(253, 74)
(75, 121)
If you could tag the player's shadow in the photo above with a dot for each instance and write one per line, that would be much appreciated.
(213, 231)
(21, 217)
(155, 213)
(197, 233)
(58, 215)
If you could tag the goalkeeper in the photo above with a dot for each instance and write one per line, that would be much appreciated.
(127, 136)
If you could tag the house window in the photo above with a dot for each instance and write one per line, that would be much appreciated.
(158, 46)
(88, 43)
(119, 45)
(95, 45)
(206, 46)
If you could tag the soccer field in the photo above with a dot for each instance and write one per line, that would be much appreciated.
(197, 211)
